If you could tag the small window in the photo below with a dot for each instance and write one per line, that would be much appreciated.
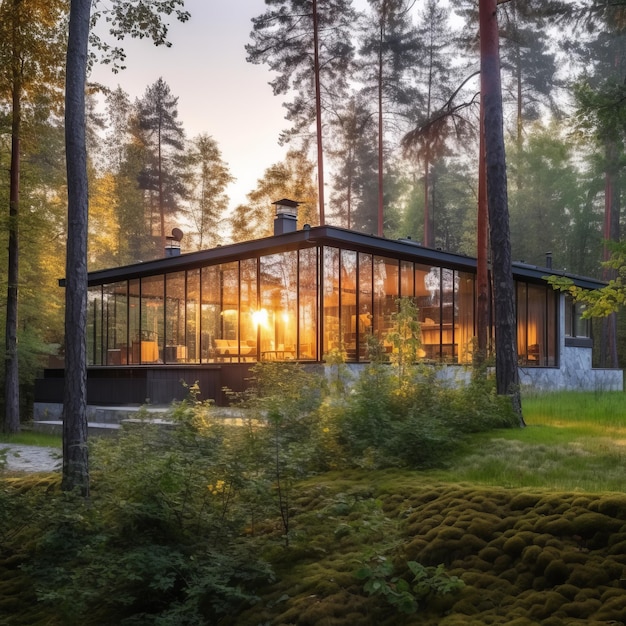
(575, 324)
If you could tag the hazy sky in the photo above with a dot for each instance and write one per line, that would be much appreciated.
(218, 91)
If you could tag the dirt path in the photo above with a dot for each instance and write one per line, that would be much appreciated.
(21, 458)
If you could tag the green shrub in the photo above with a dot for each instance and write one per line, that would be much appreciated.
(159, 543)
(407, 596)
(417, 424)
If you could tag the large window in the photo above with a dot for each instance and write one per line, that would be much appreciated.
(364, 322)
(210, 308)
(248, 307)
(192, 316)
(304, 304)
(148, 346)
(386, 291)
(348, 307)
(94, 326)
(175, 318)
(278, 313)
(308, 280)
(464, 316)
(134, 317)
(536, 325)
(330, 295)
(115, 300)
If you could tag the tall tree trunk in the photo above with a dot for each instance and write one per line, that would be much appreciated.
(482, 254)
(11, 422)
(381, 220)
(428, 240)
(318, 115)
(161, 199)
(507, 375)
(75, 454)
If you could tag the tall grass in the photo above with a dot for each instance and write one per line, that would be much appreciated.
(573, 441)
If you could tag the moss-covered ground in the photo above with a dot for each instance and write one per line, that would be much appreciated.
(525, 556)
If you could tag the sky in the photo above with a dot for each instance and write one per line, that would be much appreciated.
(218, 92)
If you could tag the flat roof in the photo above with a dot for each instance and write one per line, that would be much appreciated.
(403, 249)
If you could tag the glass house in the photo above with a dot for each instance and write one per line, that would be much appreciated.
(208, 316)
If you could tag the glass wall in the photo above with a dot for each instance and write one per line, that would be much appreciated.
(301, 305)
(134, 316)
(348, 291)
(175, 318)
(464, 312)
(385, 288)
(330, 300)
(94, 326)
(192, 317)
(428, 301)
(149, 345)
(278, 312)
(536, 325)
(222, 284)
(308, 304)
(115, 308)
(249, 313)
(365, 319)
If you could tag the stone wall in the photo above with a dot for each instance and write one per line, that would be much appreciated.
(575, 373)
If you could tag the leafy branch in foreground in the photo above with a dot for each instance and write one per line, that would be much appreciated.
(608, 299)
(427, 583)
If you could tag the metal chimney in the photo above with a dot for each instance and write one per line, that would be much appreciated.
(286, 219)
(549, 260)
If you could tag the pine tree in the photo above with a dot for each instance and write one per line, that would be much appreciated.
(356, 184)
(600, 114)
(390, 53)
(163, 138)
(440, 114)
(507, 375)
(31, 38)
(308, 44)
(206, 177)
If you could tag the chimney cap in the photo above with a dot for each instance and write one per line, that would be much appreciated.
(286, 202)
(286, 206)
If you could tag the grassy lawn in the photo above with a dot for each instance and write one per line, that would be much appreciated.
(572, 442)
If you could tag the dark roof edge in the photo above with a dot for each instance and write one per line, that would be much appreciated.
(405, 249)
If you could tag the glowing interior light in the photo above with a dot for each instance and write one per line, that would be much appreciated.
(259, 318)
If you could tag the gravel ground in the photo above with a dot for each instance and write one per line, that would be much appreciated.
(21, 458)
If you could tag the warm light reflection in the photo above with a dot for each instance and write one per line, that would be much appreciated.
(260, 318)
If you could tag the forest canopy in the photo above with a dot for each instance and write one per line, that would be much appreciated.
(398, 89)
